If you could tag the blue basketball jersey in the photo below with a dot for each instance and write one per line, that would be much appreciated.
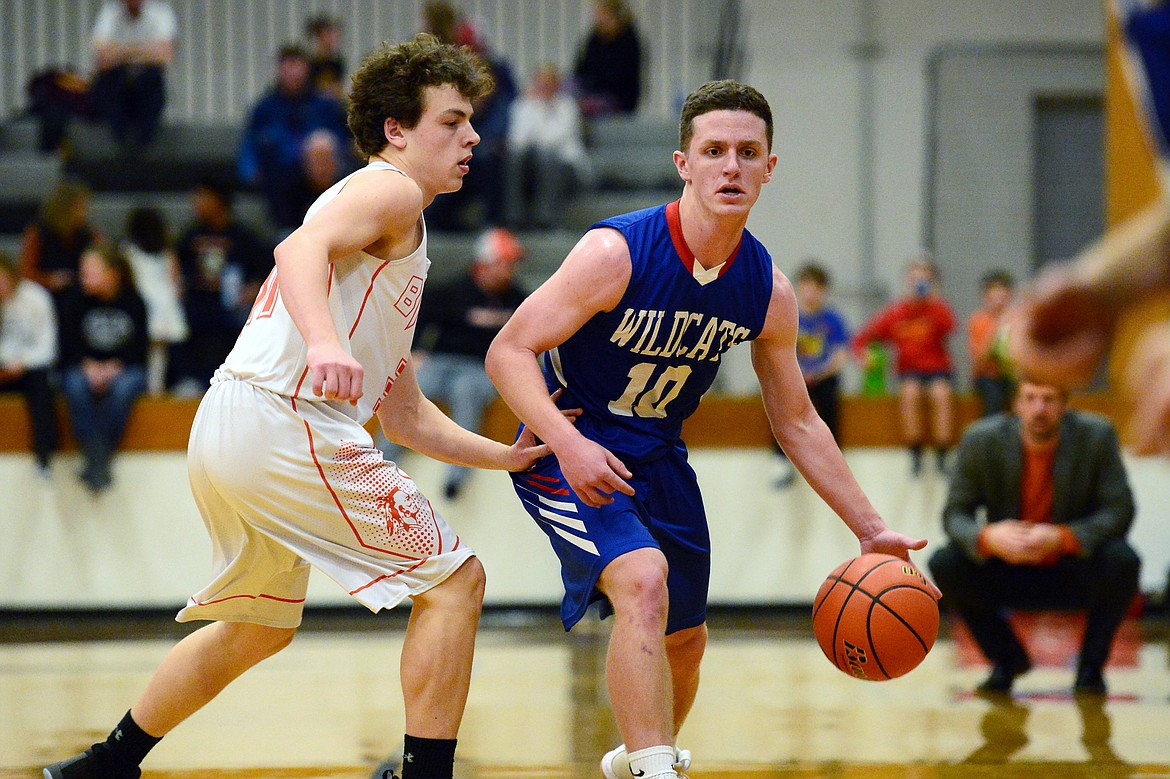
(639, 370)
(1148, 31)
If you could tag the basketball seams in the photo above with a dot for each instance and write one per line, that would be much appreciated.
(878, 602)
(848, 625)
(839, 579)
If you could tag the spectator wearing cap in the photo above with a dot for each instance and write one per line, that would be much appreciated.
(456, 325)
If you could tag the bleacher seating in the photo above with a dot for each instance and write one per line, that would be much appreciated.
(633, 152)
(180, 156)
(109, 210)
(164, 423)
(26, 175)
(632, 168)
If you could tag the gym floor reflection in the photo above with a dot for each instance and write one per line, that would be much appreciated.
(770, 705)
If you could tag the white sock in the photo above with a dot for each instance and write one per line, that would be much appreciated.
(653, 762)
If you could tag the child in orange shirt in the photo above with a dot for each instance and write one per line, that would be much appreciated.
(992, 381)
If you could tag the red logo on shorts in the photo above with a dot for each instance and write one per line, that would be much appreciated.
(400, 509)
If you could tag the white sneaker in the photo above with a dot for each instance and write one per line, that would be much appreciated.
(615, 764)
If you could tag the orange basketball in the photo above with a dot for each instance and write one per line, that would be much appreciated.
(875, 618)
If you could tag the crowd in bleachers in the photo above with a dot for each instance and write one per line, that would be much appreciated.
(177, 223)
(193, 213)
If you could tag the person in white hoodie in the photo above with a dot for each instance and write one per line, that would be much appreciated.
(28, 351)
(546, 157)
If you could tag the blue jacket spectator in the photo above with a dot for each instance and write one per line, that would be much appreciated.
(273, 154)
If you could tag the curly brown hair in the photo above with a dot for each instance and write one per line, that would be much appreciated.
(726, 95)
(392, 83)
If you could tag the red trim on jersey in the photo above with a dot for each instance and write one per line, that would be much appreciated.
(542, 477)
(345, 514)
(250, 597)
(369, 291)
(674, 223)
(548, 489)
(297, 391)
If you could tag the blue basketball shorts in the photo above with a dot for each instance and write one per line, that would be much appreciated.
(665, 513)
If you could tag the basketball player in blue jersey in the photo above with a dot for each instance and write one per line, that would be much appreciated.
(632, 328)
(1065, 324)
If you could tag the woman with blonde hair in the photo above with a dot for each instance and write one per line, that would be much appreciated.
(50, 253)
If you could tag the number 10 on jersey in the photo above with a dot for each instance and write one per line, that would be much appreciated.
(642, 402)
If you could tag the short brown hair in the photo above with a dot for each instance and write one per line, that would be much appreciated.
(726, 95)
(392, 81)
(814, 272)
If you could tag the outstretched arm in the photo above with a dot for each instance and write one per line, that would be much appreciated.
(410, 419)
(805, 437)
(1064, 323)
(592, 278)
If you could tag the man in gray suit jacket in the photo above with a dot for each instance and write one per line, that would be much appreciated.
(1051, 485)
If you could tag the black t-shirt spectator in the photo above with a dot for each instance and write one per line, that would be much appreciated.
(204, 254)
(460, 318)
(95, 329)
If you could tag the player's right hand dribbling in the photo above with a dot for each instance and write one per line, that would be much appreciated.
(593, 471)
(336, 374)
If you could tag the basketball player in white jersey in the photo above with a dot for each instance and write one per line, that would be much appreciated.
(284, 473)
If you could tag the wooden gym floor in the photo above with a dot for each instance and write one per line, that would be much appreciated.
(770, 705)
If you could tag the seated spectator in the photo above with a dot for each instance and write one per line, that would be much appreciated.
(327, 66)
(133, 44)
(55, 96)
(546, 155)
(1053, 488)
(822, 349)
(272, 157)
(50, 252)
(222, 264)
(608, 74)
(917, 326)
(480, 201)
(156, 276)
(104, 340)
(992, 379)
(28, 351)
(456, 325)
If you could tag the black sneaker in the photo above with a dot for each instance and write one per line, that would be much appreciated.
(87, 766)
(1090, 681)
(1002, 677)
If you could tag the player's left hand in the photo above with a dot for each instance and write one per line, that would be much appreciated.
(893, 543)
(526, 449)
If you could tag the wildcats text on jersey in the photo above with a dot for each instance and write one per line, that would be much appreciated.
(692, 335)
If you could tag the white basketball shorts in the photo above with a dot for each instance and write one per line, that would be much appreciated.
(286, 485)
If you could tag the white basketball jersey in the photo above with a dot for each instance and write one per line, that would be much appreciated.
(374, 304)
